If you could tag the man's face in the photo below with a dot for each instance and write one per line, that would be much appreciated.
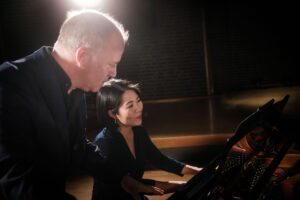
(104, 65)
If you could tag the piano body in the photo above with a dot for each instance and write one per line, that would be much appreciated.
(248, 168)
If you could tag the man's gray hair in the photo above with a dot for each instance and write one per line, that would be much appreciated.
(88, 28)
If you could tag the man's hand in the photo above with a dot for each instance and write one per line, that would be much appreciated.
(134, 188)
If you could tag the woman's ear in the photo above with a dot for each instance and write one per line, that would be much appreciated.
(111, 114)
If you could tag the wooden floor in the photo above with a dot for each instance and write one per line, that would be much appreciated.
(81, 186)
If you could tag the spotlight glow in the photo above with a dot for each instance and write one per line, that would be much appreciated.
(86, 3)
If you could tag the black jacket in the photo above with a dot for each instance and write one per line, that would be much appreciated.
(37, 147)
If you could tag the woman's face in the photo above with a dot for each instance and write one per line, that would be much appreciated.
(130, 110)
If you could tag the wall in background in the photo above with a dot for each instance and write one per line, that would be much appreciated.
(249, 45)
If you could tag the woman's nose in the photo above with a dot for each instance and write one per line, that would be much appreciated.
(139, 107)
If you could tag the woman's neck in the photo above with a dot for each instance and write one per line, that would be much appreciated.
(125, 130)
(128, 135)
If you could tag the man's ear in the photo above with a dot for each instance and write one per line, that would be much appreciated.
(82, 56)
(111, 114)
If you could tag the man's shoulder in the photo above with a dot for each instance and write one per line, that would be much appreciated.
(25, 65)
(30, 79)
(27, 70)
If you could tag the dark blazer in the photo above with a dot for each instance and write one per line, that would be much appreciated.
(36, 147)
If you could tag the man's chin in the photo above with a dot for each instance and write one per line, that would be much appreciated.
(90, 89)
(94, 90)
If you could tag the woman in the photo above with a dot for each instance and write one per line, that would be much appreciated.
(125, 142)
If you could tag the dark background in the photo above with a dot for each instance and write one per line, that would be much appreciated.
(250, 45)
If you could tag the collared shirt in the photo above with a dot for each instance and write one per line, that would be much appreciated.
(75, 101)
(64, 80)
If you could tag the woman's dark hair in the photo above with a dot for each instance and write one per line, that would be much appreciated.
(109, 97)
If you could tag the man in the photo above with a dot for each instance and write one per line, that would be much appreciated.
(42, 110)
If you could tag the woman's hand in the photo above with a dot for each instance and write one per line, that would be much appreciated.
(188, 169)
(134, 188)
(170, 186)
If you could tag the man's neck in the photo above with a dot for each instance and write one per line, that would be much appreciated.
(65, 62)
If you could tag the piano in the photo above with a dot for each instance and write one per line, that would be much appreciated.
(248, 167)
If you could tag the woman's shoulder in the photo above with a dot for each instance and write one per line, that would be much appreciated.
(108, 143)
(105, 134)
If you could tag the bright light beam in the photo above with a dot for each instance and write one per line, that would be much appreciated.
(86, 3)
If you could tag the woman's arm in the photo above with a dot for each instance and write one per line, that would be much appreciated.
(156, 157)
(164, 162)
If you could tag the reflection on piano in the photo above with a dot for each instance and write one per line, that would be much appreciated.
(248, 168)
